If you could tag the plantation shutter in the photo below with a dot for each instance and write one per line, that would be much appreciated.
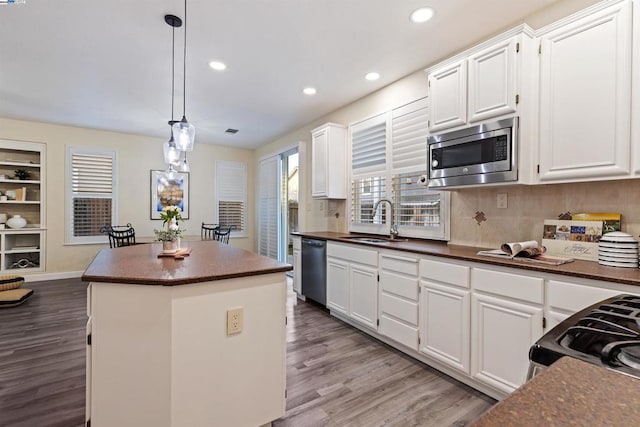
(231, 195)
(92, 194)
(409, 132)
(268, 207)
(369, 144)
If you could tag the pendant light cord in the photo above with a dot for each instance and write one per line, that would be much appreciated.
(184, 65)
(173, 68)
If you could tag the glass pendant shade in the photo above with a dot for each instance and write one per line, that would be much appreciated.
(184, 134)
(184, 165)
(171, 152)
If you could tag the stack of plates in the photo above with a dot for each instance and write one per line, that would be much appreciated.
(618, 249)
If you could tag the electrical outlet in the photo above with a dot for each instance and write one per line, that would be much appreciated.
(502, 200)
(234, 321)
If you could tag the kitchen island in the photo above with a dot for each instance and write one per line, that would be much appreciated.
(159, 352)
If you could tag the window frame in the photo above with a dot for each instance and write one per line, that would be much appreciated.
(220, 166)
(70, 196)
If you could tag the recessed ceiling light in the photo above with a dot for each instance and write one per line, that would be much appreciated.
(372, 76)
(309, 91)
(217, 65)
(422, 15)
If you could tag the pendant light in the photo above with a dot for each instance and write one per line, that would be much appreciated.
(184, 133)
(184, 166)
(169, 148)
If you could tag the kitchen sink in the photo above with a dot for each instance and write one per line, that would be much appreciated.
(366, 239)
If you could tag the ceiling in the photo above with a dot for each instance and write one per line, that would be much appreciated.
(107, 64)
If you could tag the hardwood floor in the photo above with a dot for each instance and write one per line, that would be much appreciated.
(336, 375)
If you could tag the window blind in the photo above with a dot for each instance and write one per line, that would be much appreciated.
(369, 144)
(92, 193)
(365, 193)
(268, 207)
(231, 195)
(414, 205)
(409, 130)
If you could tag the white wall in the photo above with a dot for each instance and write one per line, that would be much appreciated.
(137, 155)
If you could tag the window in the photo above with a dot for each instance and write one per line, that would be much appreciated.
(91, 194)
(388, 158)
(231, 196)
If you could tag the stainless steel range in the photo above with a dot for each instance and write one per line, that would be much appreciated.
(606, 334)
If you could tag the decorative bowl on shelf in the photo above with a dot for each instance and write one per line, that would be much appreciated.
(16, 221)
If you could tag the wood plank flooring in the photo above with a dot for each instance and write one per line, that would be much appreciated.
(336, 375)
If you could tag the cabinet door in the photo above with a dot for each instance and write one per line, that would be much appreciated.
(363, 295)
(297, 271)
(502, 333)
(492, 81)
(337, 286)
(448, 96)
(445, 325)
(319, 148)
(585, 103)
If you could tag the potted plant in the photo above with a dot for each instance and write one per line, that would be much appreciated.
(170, 237)
(22, 174)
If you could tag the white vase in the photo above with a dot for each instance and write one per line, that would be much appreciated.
(170, 246)
(16, 221)
(173, 225)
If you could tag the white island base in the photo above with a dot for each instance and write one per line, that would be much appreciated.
(160, 355)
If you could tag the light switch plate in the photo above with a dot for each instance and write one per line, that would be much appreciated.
(502, 200)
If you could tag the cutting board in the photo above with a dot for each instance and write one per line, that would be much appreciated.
(180, 254)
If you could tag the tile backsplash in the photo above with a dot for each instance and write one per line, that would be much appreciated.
(529, 206)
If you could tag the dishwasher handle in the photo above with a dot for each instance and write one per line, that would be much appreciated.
(315, 243)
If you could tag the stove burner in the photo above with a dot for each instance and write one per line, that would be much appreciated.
(630, 356)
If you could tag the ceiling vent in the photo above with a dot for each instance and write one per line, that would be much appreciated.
(231, 131)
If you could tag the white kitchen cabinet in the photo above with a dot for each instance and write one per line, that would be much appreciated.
(297, 264)
(585, 97)
(448, 96)
(352, 282)
(445, 308)
(398, 304)
(363, 294)
(506, 320)
(492, 80)
(328, 162)
(337, 286)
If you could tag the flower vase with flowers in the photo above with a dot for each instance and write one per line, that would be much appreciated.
(170, 237)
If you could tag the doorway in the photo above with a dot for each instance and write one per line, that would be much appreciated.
(289, 191)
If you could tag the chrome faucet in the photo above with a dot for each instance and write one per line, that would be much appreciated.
(393, 230)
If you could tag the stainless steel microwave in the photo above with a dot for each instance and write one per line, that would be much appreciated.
(487, 153)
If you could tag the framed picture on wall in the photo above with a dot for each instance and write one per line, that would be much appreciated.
(169, 189)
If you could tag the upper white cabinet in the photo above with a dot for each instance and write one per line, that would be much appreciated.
(448, 96)
(492, 81)
(481, 83)
(585, 97)
(328, 162)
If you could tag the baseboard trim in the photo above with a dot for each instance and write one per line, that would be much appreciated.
(41, 277)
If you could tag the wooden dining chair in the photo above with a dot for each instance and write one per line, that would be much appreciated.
(119, 235)
(208, 231)
(222, 234)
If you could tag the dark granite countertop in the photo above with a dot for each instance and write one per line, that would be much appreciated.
(578, 268)
(208, 261)
(570, 392)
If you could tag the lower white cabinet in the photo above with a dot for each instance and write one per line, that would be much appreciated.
(337, 286)
(506, 320)
(352, 282)
(297, 265)
(399, 298)
(363, 294)
(445, 325)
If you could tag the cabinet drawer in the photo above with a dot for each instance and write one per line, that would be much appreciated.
(444, 272)
(399, 264)
(400, 285)
(353, 253)
(573, 297)
(509, 285)
(398, 331)
(396, 307)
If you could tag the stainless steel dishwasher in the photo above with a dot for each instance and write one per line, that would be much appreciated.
(314, 270)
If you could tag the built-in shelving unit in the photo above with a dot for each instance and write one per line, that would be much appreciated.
(22, 249)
